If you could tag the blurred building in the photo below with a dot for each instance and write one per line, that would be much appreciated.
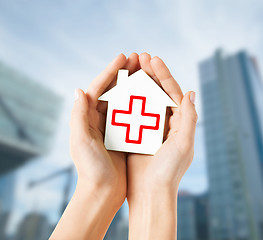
(28, 118)
(202, 216)
(34, 226)
(119, 227)
(231, 93)
(186, 229)
(7, 183)
(192, 216)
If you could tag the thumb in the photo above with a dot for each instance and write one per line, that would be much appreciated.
(189, 118)
(79, 117)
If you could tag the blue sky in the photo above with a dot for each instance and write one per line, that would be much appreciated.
(65, 44)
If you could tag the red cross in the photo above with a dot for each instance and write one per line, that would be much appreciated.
(137, 127)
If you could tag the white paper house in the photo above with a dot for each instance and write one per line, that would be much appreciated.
(136, 114)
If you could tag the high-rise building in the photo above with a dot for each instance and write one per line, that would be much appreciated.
(192, 217)
(118, 229)
(28, 118)
(7, 183)
(231, 93)
(186, 217)
(34, 226)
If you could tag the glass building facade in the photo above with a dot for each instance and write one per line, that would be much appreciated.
(192, 216)
(28, 118)
(186, 219)
(231, 93)
(118, 229)
(7, 187)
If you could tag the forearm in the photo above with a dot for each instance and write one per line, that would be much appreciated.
(87, 216)
(153, 215)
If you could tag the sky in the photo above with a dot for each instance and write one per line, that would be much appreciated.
(65, 44)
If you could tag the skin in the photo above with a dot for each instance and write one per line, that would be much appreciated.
(153, 180)
(102, 182)
(106, 178)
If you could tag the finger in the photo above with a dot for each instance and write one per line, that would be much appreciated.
(102, 107)
(101, 123)
(167, 81)
(79, 121)
(145, 62)
(103, 80)
(189, 119)
(132, 63)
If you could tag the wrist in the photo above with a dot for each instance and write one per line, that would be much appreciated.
(150, 189)
(107, 193)
(88, 214)
(153, 213)
(152, 195)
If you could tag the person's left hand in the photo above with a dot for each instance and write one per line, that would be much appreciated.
(165, 169)
(97, 167)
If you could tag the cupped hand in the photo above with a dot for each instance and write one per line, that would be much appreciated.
(165, 169)
(102, 179)
(98, 168)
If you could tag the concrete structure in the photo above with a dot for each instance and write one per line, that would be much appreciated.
(231, 93)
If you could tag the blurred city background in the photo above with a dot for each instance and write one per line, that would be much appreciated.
(49, 48)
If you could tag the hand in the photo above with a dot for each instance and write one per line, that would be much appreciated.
(102, 181)
(153, 180)
(97, 168)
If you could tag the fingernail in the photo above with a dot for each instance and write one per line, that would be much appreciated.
(122, 54)
(76, 94)
(192, 97)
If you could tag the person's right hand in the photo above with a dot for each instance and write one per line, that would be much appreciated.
(102, 181)
(97, 167)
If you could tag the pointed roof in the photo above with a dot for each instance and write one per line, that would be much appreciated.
(137, 83)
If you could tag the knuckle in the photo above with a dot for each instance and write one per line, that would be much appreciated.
(195, 117)
(77, 115)
(78, 112)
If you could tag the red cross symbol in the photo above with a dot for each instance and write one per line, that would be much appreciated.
(135, 119)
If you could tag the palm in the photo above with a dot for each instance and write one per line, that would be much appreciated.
(103, 162)
(142, 166)
(175, 154)
(93, 162)
(94, 159)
